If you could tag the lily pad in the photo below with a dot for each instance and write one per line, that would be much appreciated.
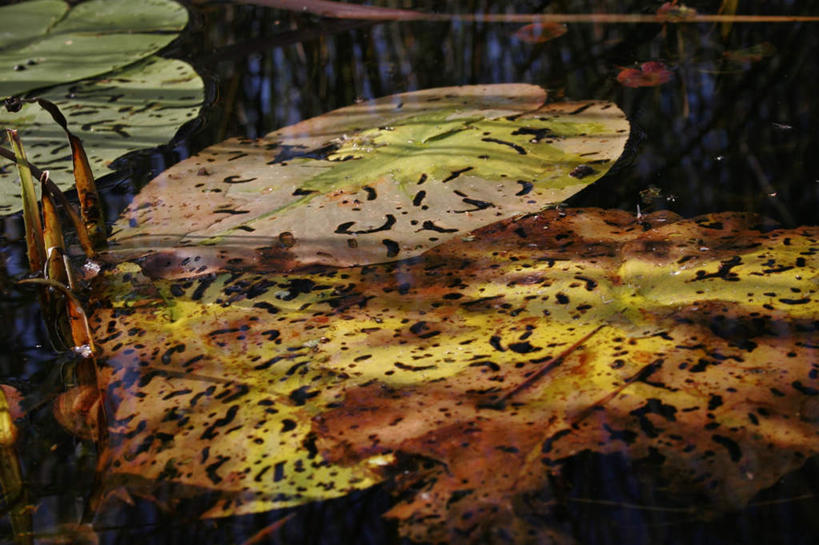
(51, 45)
(694, 347)
(137, 108)
(377, 181)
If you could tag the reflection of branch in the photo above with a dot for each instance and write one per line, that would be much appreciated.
(343, 10)
(547, 366)
(243, 49)
(764, 182)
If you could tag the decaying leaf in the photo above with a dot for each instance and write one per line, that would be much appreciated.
(277, 389)
(377, 181)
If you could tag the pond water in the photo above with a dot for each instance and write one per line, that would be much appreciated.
(733, 129)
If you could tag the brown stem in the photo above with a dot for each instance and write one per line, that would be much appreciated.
(344, 10)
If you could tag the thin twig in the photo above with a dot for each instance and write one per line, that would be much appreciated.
(545, 368)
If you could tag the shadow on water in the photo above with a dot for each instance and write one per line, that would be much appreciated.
(727, 132)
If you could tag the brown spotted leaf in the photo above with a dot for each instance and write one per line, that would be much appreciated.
(377, 181)
(695, 347)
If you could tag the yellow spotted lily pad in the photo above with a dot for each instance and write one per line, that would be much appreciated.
(378, 181)
(496, 357)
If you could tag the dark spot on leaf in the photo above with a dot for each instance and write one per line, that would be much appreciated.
(526, 187)
(278, 472)
(210, 432)
(392, 247)
(523, 348)
(733, 448)
(581, 171)
(236, 180)
(454, 174)
(537, 133)
(214, 467)
(406, 367)
(300, 396)
(807, 390)
(344, 228)
(430, 226)
(288, 425)
(512, 145)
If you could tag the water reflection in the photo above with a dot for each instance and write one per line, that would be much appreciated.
(723, 134)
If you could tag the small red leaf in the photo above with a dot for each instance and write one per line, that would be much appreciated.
(537, 33)
(650, 74)
(671, 11)
(14, 399)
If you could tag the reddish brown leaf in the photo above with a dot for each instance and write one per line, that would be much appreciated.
(536, 33)
(650, 74)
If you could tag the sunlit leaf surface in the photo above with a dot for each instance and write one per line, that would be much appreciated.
(376, 181)
(278, 389)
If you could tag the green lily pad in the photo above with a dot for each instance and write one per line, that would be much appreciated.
(380, 180)
(48, 46)
(28, 19)
(136, 108)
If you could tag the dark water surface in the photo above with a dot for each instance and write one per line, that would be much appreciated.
(728, 132)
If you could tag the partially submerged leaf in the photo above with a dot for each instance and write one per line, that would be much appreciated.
(140, 107)
(215, 380)
(377, 181)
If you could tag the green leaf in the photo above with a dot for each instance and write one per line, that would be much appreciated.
(380, 180)
(28, 20)
(278, 389)
(137, 108)
(49, 48)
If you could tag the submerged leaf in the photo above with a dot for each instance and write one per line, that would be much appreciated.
(278, 389)
(377, 181)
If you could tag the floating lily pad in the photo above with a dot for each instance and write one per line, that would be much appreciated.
(381, 180)
(50, 45)
(140, 107)
(278, 389)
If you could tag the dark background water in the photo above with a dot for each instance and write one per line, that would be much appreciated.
(720, 135)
